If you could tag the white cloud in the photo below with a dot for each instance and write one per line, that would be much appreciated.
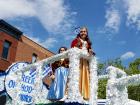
(113, 20)
(53, 14)
(133, 13)
(129, 8)
(16, 8)
(127, 55)
(47, 43)
(112, 16)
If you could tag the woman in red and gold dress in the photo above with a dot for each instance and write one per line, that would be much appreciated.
(82, 41)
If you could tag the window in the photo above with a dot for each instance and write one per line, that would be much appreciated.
(34, 58)
(6, 47)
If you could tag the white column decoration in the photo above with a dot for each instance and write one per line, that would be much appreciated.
(116, 93)
(73, 78)
(93, 81)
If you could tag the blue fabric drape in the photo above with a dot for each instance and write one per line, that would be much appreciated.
(58, 85)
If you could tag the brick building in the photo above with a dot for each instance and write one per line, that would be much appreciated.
(14, 46)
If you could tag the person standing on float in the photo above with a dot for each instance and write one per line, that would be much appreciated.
(82, 41)
(59, 78)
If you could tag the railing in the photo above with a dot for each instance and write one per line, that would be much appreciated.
(74, 95)
(117, 85)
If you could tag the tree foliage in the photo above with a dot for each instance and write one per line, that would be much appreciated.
(116, 63)
(134, 67)
(102, 88)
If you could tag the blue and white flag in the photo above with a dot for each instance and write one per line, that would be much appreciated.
(46, 70)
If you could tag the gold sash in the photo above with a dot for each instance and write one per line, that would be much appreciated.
(84, 79)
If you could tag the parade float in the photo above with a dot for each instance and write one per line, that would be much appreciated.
(23, 82)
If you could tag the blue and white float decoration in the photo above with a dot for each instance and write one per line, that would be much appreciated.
(2, 78)
(12, 85)
(21, 83)
(38, 95)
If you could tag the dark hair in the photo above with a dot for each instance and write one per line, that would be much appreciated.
(62, 47)
(87, 37)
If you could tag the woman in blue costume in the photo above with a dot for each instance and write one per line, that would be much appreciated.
(59, 78)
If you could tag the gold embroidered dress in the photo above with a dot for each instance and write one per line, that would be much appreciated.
(84, 83)
(84, 75)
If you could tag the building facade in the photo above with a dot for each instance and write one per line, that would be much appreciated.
(16, 47)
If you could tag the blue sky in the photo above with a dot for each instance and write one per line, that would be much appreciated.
(114, 25)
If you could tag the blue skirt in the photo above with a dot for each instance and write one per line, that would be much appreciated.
(58, 85)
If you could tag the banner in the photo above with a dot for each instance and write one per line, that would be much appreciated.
(21, 85)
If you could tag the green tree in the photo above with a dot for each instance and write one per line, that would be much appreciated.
(134, 91)
(134, 67)
(102, 88)
(101, 68)
(116, 63)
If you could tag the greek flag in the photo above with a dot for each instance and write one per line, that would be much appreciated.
(33, 72)
(46, 70)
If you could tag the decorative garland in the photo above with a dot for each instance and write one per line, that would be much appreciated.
(73, 85)
(73, 78)
(103, 77)
(117, 86)
(74, 95)
(93, 81)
